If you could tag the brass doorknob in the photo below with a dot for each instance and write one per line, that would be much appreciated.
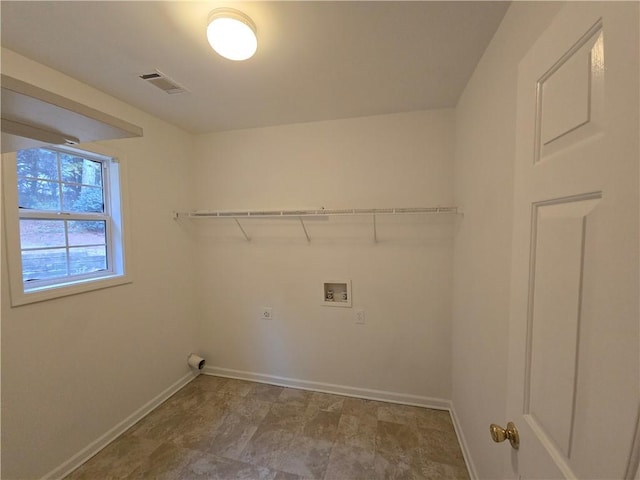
(499, 434)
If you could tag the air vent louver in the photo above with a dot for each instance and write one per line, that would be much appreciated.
(164, 83)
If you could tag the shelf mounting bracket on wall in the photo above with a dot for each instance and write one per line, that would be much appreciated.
(306, 234)
(242, 229)
(375, 231)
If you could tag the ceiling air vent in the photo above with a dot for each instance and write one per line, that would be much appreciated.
(164, 83)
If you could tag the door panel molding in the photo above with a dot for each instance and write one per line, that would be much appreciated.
(558, 233)
(570, 96)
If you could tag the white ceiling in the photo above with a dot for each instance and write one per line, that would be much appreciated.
(315, 60)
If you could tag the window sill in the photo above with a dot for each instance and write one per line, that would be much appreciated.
(42, 294)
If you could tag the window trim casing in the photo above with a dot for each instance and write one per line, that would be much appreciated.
(117, 205)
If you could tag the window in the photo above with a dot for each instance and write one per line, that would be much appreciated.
(67, 234)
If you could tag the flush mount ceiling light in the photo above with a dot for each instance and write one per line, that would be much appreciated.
(232, 34)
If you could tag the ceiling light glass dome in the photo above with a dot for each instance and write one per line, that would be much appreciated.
(232, 34)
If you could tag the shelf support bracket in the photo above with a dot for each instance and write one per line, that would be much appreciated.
(375, 230)
(305, 229)
(242, 230)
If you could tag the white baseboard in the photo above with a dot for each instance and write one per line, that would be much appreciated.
(382, 395)
(98, 444)
(473, 473)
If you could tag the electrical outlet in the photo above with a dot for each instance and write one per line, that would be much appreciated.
(360, 317)
(267, 313)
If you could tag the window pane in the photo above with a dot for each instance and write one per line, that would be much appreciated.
(38, 194)
(80, 170)
(41, 233)
(43, 264)
(37, 163)
(80, 198)
(86, 233)
(87, 259)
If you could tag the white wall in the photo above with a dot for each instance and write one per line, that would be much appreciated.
(74, 367)
(485, 148)
(403, 282)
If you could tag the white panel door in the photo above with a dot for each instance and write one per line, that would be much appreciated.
(574, 343)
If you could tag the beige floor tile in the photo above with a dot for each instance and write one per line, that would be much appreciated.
(442, 471)
(350, 462)
(164, 463)
(267, 447)
(234, 388)
(326, 402)
(433, 419)
(287, 476)
(397, 440)
(220, 428)
(357, 432)
(285, 416)
(440, 446)
(394, 413)
(265, 392)
(117, 460)
(388, 466)
(295, 397)
(212, 467)
(321, 425)
(230, 438)
(307, 457)
(359, 407)
(210, 383)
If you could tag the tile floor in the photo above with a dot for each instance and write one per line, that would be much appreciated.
(219, 428)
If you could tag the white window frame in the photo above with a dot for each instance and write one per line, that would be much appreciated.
(115, 193)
